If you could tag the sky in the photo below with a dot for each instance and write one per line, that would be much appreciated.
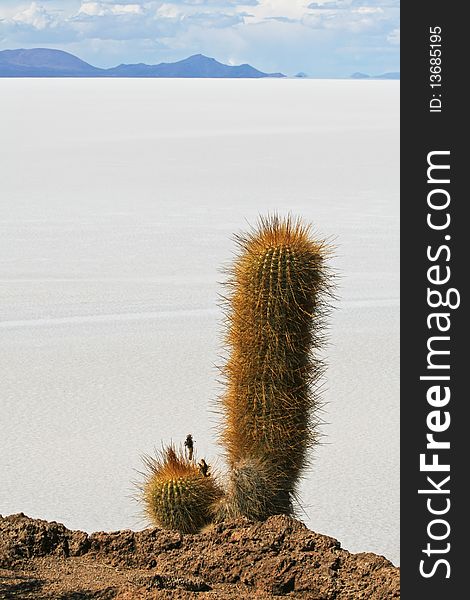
(328, 38)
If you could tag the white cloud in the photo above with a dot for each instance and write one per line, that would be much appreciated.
(394, 37)
(383, 3)
(327, 5)
(149, 20)
(368, 10)
(35, 25)
(100, 9)
(170, 11)
(280, 19)
(196, 17)
(36, 16)
(269, 9)
(221, 3)
(218, 21)
(356, 16)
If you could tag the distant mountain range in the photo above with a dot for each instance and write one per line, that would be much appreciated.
(45, 62)
(383, 76)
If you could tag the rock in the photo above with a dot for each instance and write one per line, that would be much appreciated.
(237, 559)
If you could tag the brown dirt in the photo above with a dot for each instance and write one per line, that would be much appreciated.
(234, 560)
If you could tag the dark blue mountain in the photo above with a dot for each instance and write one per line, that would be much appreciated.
(194, 66)
(383, 76)
(388, 76)
(43, 62)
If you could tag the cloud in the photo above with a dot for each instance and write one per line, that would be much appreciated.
(267, 9)
(220, 3)
(100, 20)
(382, 3)
(36, 16)
(35, 25)
(367, 10)
(100, 9)
(110, 20)
(394, 37)
(142, 19)
(152, 20)
(351, 15)
(281, 19)
(219, 20)
(327, 5)
(360, 5)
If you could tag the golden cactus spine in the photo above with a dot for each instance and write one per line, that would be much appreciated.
(279, 287)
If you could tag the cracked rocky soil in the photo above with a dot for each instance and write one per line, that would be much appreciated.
(234, 560)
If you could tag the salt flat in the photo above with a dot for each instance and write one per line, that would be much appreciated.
(118, 202)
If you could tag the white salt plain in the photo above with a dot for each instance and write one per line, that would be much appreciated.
(118, 202)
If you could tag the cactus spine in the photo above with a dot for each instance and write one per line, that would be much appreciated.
(176, 494)
(278, 298)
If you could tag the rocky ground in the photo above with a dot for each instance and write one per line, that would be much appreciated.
(234, 560)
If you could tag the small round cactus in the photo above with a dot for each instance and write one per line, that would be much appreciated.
(177, 493)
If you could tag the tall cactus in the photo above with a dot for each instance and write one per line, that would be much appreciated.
(279, 288)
